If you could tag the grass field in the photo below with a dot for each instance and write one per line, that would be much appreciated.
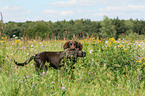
(110, 68)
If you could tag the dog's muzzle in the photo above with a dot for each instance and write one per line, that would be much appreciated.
(81, 53)
(74, 54)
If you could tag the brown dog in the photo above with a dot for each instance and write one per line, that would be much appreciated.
(54, 58)
(73, 45)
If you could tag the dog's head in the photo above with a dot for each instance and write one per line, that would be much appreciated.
(73, 45)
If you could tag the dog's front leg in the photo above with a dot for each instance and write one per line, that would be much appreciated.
(43, 66)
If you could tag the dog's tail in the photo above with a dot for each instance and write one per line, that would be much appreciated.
(26, 62)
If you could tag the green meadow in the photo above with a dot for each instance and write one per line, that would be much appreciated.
(110, 68)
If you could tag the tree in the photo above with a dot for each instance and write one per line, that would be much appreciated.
(38, 29)
(120, 27)
(107, 29)
(1, 25)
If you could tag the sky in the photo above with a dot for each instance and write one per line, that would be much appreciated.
(59, 10)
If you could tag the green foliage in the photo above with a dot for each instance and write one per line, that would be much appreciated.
(110, 68)
(107, 29)
(75, 29)
(119, 26)
(1, 25)
(132, 36)
(39, 28)
(13, 29)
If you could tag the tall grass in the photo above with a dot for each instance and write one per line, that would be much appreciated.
(111, 68)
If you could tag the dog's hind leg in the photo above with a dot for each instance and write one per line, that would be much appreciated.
(37, 63)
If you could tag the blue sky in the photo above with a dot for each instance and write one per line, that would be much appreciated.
(58, 10)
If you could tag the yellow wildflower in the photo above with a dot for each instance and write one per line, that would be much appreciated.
(138, 61)
(92, 38)
(1, 41)
(125, 49)
(85, 39)
(139, 65)
(17, 41)
(110, 43)
(120, 46)
(3, 38)
(99, 41)
(143, 58)
(111, 39)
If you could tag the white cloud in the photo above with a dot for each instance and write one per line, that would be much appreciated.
(60, 13)
(124, 8)
(100, 14)
(65, 3)
(18, 19)
(137, 7)
(78, 3)
(23, 19)
(66, 13)
(8, 7)
(123, 12)
(89, 2)
(79, 11)
(50, 11)
(13, 10)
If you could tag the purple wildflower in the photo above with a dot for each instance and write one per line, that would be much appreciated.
(27, 53)
(53, 82)
(31, 45)
(43, 73)
(14, 35)
(22, 47)
(27, 76)
(63, 88)
(91, 51)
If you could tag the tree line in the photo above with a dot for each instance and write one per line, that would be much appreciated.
(80, 29)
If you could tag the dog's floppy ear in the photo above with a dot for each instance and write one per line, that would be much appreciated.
(66, 45)
(79, 45)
